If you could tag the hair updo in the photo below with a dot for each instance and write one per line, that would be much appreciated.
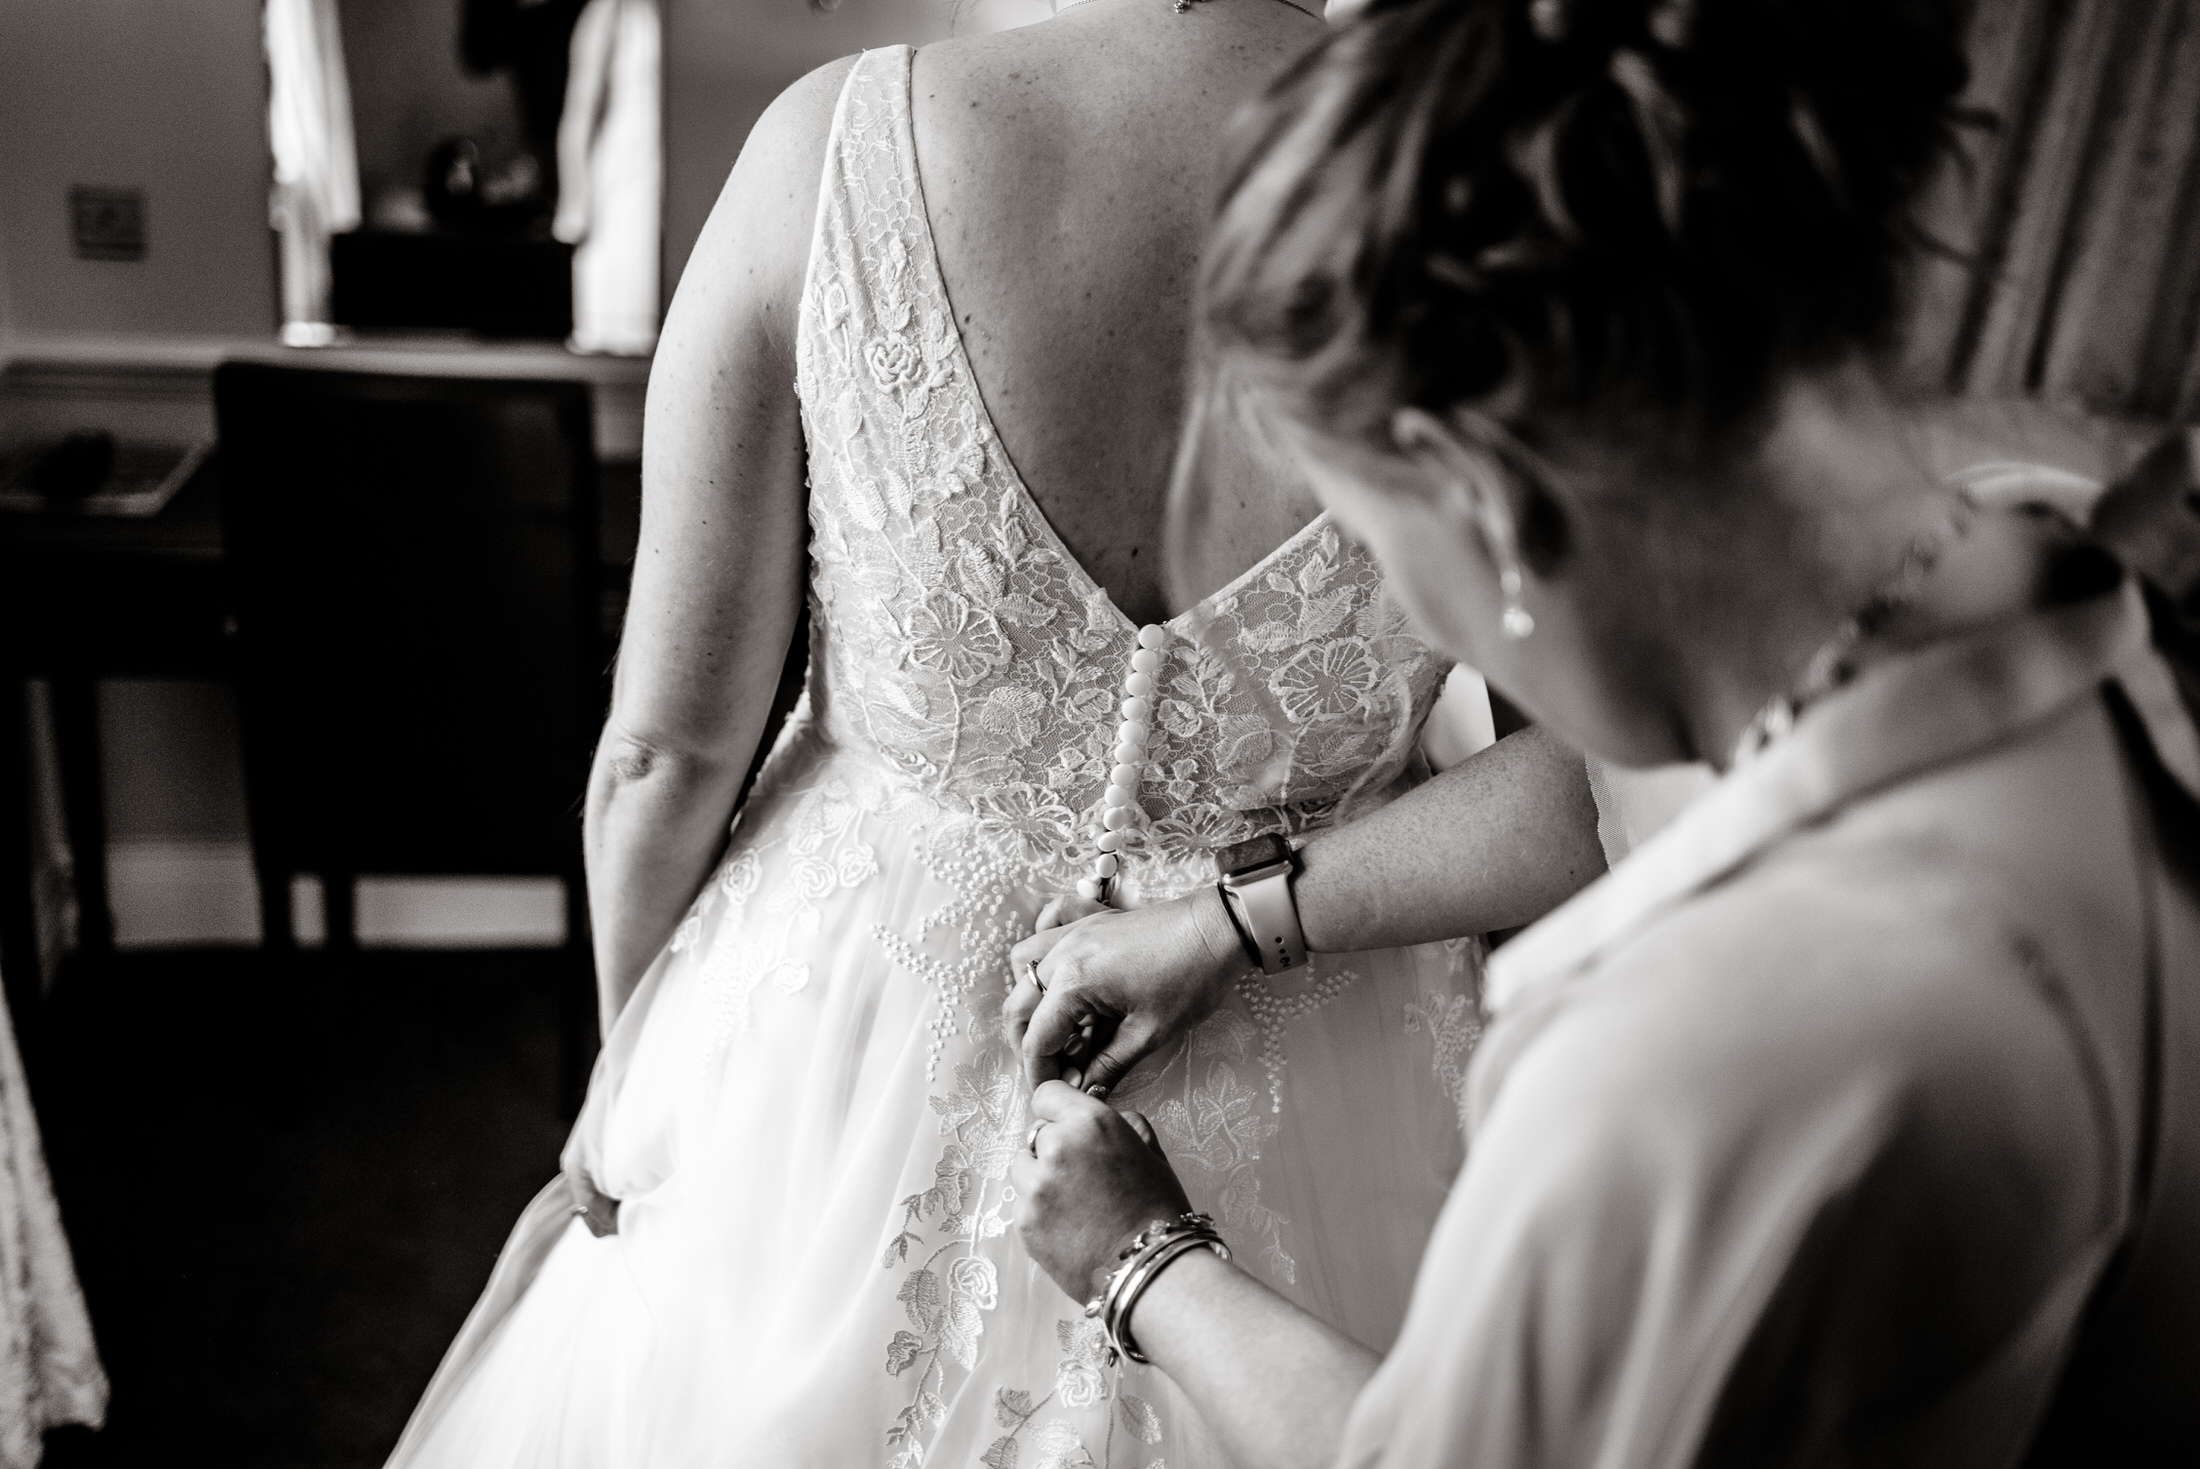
(1646, 211)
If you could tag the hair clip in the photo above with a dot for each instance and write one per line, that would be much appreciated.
(1661, 123)
(1452, 271)
(1673, 23)
(1816, 145)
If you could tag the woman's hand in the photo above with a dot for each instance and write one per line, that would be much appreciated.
(1131, 982)
(1095, 1177)
(597, 1209)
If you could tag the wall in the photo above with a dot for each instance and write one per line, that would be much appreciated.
(409, 92)
(170, 96)
(725, 60)
(164, 95)
(7, 311)
(179, 859)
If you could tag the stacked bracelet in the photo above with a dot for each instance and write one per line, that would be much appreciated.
(1150, 1251)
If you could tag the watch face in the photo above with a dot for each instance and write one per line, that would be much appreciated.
(1261, 851)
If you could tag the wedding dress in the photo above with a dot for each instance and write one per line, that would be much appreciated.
(807, 1110)
(49, 1367)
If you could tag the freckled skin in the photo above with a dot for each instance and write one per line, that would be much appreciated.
(1068, 171)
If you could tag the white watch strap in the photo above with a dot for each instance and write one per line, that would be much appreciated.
(1271, 915)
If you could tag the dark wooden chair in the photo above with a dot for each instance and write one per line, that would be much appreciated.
(414, 573)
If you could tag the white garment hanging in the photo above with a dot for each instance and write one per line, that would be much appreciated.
(611, 175)
(316, 187)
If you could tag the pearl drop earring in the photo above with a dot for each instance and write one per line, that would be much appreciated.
(1518, 622)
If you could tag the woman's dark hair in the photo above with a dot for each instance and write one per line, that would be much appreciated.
(1584, 209)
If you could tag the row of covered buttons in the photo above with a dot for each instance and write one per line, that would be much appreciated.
(1119, 809)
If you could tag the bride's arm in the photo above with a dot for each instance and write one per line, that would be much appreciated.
(1496, 841)
(718, 575)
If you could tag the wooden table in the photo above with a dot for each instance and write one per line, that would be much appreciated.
(84, 598)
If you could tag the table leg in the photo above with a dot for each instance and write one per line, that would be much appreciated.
(84, 808)
(19, 967)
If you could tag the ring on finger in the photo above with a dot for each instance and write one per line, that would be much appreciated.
(1031, 967)
(1031, 1140)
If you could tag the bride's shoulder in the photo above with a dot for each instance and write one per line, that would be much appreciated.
(746, 271)
(777, 172)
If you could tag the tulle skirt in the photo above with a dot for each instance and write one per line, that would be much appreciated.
(49, 1368)
(807, 1113)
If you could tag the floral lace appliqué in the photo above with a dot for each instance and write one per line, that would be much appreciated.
(1453, 1025)
(962, 642)
(948, 1283)
(1083, 1380)
(964, 653)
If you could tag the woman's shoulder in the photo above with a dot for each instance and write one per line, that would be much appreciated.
(1884, 977)
(1922, 921)
(1813, 1023)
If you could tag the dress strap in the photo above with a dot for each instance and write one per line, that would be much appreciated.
(871, 240)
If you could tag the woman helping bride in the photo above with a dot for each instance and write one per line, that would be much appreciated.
(796, 1244)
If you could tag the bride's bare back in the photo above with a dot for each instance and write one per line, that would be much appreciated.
(1068, 171)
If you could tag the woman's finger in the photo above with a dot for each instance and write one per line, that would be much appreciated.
(1023, 998)
(1134, 1040)
(1064, 909)
(1067, 908)
(1038, 946)
(1024, 993)
(1060, 1017)
(1144, 1129)
(1055, 1102)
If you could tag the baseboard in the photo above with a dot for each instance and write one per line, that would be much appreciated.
(173, 894)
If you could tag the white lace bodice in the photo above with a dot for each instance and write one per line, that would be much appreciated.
(957, 637)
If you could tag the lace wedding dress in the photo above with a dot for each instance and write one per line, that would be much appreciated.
(49, 1368)
(807, 1110)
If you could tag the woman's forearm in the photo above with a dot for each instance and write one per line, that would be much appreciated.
(654, 826)
(1274, 1383)
(1496, 841)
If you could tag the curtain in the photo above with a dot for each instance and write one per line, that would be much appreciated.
(2068, 326)
(2082, 279)
(316, 189)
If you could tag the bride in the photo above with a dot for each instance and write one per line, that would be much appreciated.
(933, 336)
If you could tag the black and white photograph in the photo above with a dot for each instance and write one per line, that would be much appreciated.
(1099, 734)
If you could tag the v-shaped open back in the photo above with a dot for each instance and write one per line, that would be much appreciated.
(960, 638)
(808, 1110)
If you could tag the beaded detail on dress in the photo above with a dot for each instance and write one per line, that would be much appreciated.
(962, 642)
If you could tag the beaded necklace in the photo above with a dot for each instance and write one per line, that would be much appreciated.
(1834, 664)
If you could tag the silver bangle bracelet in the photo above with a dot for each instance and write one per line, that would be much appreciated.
(1136, 1264)
(1149, 1266)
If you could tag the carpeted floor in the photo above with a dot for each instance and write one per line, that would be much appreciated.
(286, 1183)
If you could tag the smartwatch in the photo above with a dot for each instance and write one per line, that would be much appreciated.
(1256, 891)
